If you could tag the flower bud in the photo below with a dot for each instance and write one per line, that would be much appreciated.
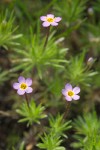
(90, 61)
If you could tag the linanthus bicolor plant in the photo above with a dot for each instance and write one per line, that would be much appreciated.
(70, 94)
(48, 21)
(29, 111)
(33, 56)
(23, 87)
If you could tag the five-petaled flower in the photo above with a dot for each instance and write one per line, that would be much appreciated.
(23, 86)
(50, 20)
(71, 93)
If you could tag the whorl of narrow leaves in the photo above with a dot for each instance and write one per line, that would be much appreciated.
(7, 31)
(31, 114)
(87, 132)
(53, 140)
(34, 56)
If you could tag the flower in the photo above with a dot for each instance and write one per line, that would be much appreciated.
(71, 93)
(23, 86)
(50, 20)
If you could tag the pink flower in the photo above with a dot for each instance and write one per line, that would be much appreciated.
(71, 93)
(50, 20)
(23, 86)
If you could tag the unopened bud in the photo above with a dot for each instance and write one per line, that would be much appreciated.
(90, 61)
(90, 11)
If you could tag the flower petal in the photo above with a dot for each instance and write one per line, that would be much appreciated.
(21, 79)
(68, 98)
(43, 18)
(29, 90)
(76, 97)
(54, 23)
(50, 15)
(46, 24)
(21, 92)
(29, 81)
(16, 86)
(57, 19)
(76, 90)
(64, 92)
(68, 87)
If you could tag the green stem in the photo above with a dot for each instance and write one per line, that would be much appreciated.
(47, 36)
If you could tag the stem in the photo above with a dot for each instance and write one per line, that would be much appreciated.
(27, 101)
(67, 109)
(47, 36)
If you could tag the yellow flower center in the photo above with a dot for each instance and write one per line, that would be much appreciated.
(23, 86)
(70, 93)
(50, 19)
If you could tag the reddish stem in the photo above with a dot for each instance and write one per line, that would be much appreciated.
(27, 101)
(67, 109)
(47, 36)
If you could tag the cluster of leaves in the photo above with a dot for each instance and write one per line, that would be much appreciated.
(32, 113)
(36, 56)
(7, 31)
(72, 10)
(87, 132)
(52, 140)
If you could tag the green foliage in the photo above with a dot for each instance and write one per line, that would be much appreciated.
(93, 37)
(72, 10)
(32, 113)
(21, 146)
(4, 75)
(88, 132)
(77, 71)
(27, 57)
(58, 125)
(52, 140)
(96, 5)
(12, 139)
(7, 31)
(36, 56)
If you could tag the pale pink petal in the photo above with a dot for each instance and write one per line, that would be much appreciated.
(54, 23)
(57, 19)
(46, 24)
(16, 86)
(43, 18)
(68, 87)
(21, 92)
(50, 15)
(64, 92)
(68, 98)
(76, 97)
(29, 81)
(76, 90)
(29, 90)
(21, 79)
